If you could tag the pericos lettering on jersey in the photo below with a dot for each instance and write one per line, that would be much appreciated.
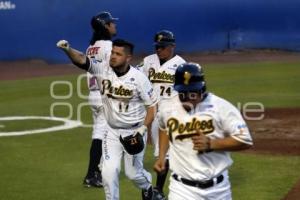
(92, 51)
(188, 129)
(115, 92)
(160, 77)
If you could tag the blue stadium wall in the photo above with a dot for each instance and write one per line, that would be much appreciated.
(31, 28)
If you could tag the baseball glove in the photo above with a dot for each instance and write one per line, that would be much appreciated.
(133, 144)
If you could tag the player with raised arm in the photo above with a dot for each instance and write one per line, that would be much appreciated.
(129, 103)
(104, 28)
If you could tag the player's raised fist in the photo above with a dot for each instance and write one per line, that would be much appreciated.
(63, 44)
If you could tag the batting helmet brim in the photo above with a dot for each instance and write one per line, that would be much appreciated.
(192, 87)
(113, 20)
(163, 44)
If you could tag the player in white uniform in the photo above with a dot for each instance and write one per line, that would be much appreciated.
(199, 129)
(129, 103)
(104, 28)
(160, 69)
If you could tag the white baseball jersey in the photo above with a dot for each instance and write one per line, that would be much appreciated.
(100, 51)
(124, 98)
(162, 76)
(216, 118)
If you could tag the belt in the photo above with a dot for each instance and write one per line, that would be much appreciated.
(199, 184)
(94, 89)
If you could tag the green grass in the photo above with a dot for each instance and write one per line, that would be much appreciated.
(263, 177)
(273, 84)
(32, 97)
(52, 165)
(21, 125)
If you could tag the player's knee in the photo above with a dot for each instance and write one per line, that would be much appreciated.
(132, 175)
(110, 173)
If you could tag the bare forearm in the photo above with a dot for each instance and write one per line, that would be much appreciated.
(163, 144)
(78, 58)
(150, 116)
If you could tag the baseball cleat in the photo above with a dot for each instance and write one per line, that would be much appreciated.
(147, 194)
(95, 181)
(158, 195)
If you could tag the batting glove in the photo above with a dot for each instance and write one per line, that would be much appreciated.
(63, 44)
(141, 130)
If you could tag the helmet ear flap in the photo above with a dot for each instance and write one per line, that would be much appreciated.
(203, 90)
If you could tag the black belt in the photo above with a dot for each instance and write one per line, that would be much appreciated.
(198, 184)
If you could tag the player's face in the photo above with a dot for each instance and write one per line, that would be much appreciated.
(119, 57)
(111, 27)
(189, 100)
(165, 52)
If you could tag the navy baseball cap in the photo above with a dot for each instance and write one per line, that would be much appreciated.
(106, 17)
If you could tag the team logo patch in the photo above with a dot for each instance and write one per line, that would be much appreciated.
(150, 92)
(173, 67)
(208, 106)
(187, 76)
(242, 128)
(159, 38)
(94, 60)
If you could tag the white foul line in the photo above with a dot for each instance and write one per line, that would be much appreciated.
(68, 124)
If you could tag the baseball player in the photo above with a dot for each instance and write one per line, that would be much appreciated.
(200, 129)
(129, 103)
(160, 69)
(104, 28)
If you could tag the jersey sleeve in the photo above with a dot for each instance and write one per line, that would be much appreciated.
(142, 66)
(146, 91)
(234, 124)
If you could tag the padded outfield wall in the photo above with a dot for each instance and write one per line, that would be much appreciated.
(31, 28)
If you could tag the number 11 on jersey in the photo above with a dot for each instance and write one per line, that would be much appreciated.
(123, 107)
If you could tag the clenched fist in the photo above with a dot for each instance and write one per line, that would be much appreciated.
(159, 165)
(63, 44)
(201, 142)
(141, 130)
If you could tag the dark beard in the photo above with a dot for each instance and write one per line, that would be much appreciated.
(121, 70)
